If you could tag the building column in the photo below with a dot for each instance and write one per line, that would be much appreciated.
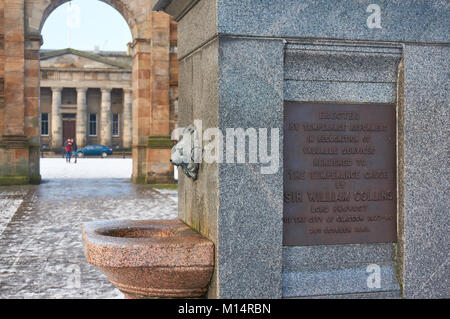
(127, 107)
(106, 118)
(159, 144)
(57, 137)
(141, 106)
(81, 129)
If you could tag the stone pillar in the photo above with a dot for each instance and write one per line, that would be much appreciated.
(13, 66)
(159, 170)
(57, 137)
(14, 144)
(141, 106)
(127, 106)
(106, 118)
(81, 117)
(31, 99)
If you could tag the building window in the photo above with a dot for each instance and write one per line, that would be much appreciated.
(115, 125)
(92, 124)
(44, 124)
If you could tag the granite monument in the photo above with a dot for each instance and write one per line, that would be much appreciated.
(359, 92)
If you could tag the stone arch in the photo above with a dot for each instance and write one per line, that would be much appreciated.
(154, 84)
(37, 12)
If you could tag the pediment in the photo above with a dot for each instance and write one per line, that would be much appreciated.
(71, 59)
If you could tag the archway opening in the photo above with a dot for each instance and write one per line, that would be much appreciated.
(85, 92)
(52, 212)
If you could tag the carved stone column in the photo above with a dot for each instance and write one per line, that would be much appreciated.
(81, 128)
(127, 106)
(57, 137)
(106, 117)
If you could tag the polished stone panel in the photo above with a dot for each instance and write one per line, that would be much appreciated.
(424, 244)
(402, 21)
(329, 270)
(250, 211)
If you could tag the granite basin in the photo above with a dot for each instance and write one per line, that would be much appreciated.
(150, 258)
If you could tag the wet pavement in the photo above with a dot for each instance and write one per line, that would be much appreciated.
(41, 253)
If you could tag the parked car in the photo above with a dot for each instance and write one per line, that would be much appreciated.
(94, 150)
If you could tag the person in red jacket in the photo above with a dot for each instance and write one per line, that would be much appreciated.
(68, 148)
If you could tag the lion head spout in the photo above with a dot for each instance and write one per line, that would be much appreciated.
(184, 153)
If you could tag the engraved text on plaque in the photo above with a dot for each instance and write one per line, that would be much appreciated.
(339, 173)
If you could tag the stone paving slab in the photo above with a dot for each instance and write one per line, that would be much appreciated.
(41, 253)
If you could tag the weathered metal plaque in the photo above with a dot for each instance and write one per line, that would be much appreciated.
(339, 173)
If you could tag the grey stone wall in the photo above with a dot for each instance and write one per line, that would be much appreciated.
(198, 202)
(250, 203)
(338, 270)
(342, 72)
(197, 27)
(266, 52)
(401, 21)
(424, 207)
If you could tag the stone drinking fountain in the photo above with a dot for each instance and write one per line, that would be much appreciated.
(151, 258)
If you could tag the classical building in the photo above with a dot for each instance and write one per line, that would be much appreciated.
(86, 96)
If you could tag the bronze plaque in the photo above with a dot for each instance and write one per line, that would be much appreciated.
(339, 174)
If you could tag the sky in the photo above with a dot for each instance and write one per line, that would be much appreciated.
(85, 25)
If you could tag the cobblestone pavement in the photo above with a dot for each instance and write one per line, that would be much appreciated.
(41, 253)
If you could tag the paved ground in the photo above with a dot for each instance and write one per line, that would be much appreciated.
(41, 253)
